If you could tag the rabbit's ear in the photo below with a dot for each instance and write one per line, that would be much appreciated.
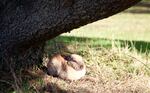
(68, 58)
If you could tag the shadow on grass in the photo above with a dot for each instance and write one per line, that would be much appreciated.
(140, 8)
(32, 82)
(144, 4)
(140, 46)
(52, 88)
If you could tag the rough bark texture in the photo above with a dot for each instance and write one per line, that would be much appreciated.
(26, 24)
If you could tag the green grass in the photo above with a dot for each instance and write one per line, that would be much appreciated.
(140, 46)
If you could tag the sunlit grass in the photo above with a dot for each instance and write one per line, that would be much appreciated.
(124, 26)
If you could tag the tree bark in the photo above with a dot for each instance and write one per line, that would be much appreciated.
(26, 24)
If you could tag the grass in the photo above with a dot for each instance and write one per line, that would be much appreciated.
(116, 52)
(117, 27)
(109, 70)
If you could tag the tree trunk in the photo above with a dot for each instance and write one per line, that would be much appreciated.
(26, 24)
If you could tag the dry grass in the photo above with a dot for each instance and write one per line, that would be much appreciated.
(115, 70)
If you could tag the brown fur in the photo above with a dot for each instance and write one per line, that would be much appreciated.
(62, 60)
(56, 62)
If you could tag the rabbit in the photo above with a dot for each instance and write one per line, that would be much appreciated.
(69, 67)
